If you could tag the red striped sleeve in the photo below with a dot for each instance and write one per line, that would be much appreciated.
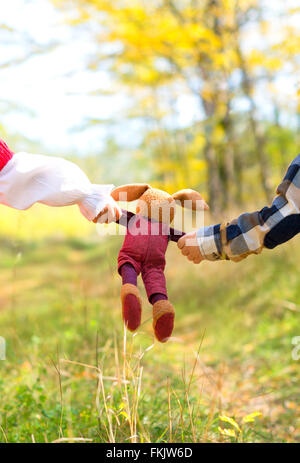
(5, 154)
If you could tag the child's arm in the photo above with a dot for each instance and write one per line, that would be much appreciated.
(250, 233)
(28, 178)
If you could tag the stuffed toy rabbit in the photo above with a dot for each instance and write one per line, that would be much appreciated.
(143, 251)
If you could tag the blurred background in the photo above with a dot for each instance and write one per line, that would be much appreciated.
(199, 94)
(179, 93)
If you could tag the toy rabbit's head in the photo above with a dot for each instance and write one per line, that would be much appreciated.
(158, 204)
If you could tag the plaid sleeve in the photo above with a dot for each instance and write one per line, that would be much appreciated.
(251, 232)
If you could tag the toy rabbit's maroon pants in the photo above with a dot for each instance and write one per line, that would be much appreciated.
(144, 249)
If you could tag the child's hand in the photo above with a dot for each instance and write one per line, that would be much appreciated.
(189, 247)
(110, 213)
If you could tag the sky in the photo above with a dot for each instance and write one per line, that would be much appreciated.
(53, 87)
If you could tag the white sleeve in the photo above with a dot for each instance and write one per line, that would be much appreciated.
(31, 178)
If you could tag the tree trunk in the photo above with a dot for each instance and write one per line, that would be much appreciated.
(213, 174)
(258, 137)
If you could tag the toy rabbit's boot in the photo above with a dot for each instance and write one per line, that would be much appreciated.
(163, 319)
(131, 306)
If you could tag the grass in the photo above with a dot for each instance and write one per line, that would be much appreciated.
(72, 373)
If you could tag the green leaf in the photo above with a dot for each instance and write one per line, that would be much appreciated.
(231, 421)
(227, 432)
(251, 418)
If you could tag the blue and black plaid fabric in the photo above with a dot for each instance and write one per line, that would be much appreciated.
(250, 233)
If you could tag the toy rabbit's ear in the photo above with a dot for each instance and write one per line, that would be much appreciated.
(191, 199)
(129, 192)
